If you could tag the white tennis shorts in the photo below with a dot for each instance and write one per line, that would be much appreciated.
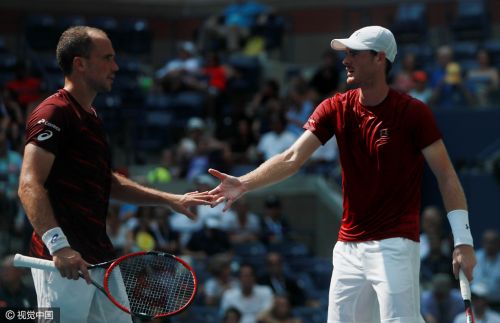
(77, 301)
(375, 281)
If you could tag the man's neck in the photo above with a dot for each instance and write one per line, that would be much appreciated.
(373, 95)
(81, 93)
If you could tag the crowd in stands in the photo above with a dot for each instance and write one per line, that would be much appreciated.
(209, 106)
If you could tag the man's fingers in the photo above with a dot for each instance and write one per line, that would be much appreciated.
(216, 173)
(85, 272)
(215, 191)
(188, 213)
(228, 205)
(201, 201)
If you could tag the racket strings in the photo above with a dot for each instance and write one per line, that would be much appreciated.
(153, 284)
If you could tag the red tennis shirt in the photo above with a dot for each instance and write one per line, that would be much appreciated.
(80, 179)
(382, 164)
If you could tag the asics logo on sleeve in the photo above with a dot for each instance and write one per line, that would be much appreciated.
(48, 124)
(44, 135)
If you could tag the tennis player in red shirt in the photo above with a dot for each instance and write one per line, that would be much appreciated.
(384, 138)
(67, 180)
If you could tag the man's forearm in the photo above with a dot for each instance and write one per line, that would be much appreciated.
(126, 190)
(452, 193)
(36, 204)
(273, 170)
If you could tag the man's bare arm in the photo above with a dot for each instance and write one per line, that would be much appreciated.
(275, 169)
(37, 164)
(455, 203)
(35, 170)
(126, 190)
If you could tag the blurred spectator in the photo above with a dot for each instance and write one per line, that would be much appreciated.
(12, 118)
(452, 92)
(403, 79)
(325, 161)
(275, 228)
(151, 229)
(264, 103)
(199, 150)
(444, 56)
(232, 315)
(270, 27)
(221, 280)
(277, 140)
(242, 225)
(325, 80)
(432, 225)
(166, 170)
(435, 262)
(25, 88)
(10, 169)
(281, 283)
(117, 230)
(217, 76)
(181, 73)
(442, 303)
(140, 237)
(487, 270)
(480, 307)
(211, 36)
(483, 79)
(243, 143)
(13, 292)
(209, 240)
(240, 17)
(216, 72)
(185, 226)
(249, 298)
(299, 106)
(420, 90)
(10, 108)
(281, 312)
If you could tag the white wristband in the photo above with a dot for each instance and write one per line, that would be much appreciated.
(459, 222)
(55, 240)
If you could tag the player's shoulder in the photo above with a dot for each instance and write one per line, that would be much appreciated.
(55, 101)
(340, 99)
(56, 104)
(408, 100)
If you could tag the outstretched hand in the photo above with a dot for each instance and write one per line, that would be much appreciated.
(182, 203)
(229, 190)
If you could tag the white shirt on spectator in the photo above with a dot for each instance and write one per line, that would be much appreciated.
(489, 317)
(273, 143)
(250, 307)
(488, 273)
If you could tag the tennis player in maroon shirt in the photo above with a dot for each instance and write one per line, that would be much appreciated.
(67, 180)
(384, 137)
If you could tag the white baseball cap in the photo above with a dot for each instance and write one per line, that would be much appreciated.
(375, 38)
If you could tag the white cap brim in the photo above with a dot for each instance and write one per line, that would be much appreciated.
(343, 43)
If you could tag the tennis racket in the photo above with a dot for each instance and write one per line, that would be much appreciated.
(147, 285)
(465, 290)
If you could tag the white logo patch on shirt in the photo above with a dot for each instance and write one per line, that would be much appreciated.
(44, 135)
(48, 124)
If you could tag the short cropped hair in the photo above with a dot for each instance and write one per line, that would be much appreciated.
(75, 41)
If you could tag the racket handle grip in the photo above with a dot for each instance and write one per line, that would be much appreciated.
(32, 262)
(464, 285)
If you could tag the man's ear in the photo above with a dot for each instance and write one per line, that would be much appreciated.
(79, 63)
(381, 57)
